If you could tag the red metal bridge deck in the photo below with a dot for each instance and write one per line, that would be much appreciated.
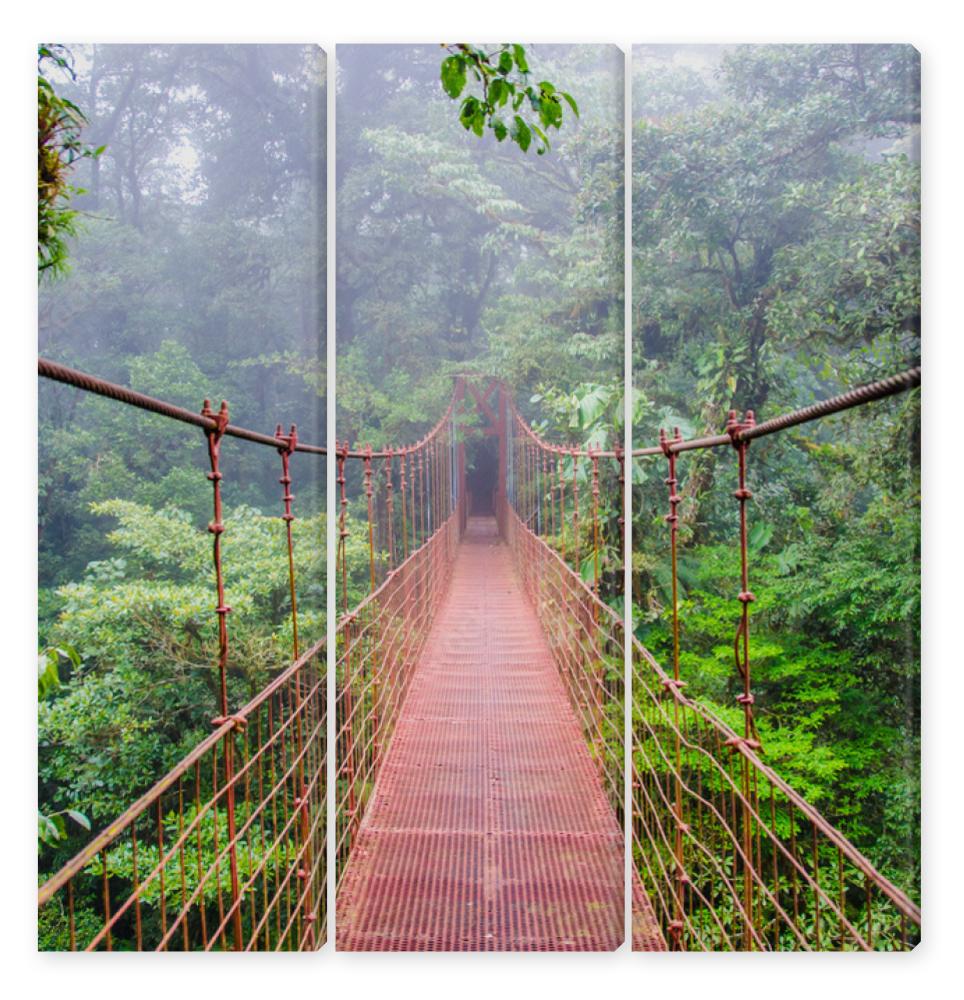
(488, 827)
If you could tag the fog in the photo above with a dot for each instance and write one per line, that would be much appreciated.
(198, 269)
(460, 253)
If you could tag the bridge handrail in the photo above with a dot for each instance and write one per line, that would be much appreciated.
(236, 721)
(122, 394)
(565, 450)
(291, 708)
(858, 396)
(730, 737)
(343, 449)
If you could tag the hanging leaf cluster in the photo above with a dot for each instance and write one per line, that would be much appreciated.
(509, 105)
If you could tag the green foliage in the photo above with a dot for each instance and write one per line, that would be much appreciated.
(256, 854)
(142, 624)
(506, 91)
(59, 146)
(776, 243)
(777, 221)
(48, 667)
(52, 827)
(456, 256)
(591, 417)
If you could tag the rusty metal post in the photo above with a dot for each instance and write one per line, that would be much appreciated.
(461, 481)
(676, 925)
(741, 654)
(369, 494)
(594, 458)
(577, 554)
(420, 535)
(502, 429)
(342, 524)
(621, 461)
(390, 509)
(286, 447)
(562, 505)
(216, 528)
(403, 463)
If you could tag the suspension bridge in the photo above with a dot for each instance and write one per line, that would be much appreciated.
(480, 747)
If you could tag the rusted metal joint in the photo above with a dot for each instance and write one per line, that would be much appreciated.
(735, 427)
(594, 458)
(740, 742)
(287, 443)
(220, 418)
(240, 722)
(667, 444)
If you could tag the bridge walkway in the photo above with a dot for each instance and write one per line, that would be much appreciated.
(488, 827)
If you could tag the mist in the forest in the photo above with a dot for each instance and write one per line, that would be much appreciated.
(777, 262)
(197, 271)
(457, 252)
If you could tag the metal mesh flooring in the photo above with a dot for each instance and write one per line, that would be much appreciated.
(488, 828)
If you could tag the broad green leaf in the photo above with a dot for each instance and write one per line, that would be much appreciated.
(79, 818)
(453, 75)
(467, 113)
(568, 98)
(759, 536)
(499, 91)
(521, 133)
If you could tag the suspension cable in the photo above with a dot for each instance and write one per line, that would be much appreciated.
(122, 394)
(857, 396)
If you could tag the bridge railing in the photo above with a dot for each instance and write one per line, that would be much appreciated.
(729, 855)
(586, 639)
(413, 509)
(556, 504)
(228, 849)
